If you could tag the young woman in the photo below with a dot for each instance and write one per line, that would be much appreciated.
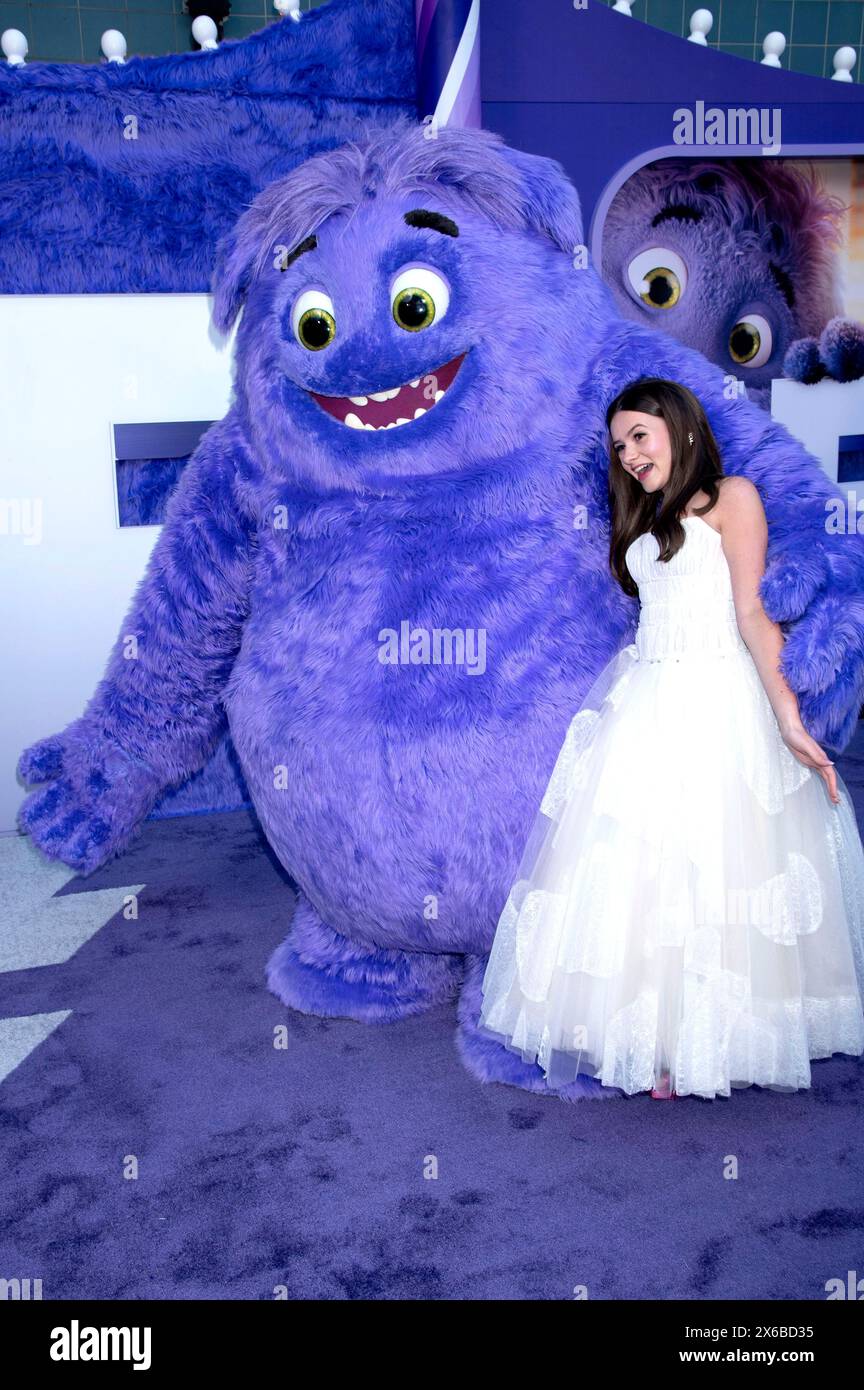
(688, 914)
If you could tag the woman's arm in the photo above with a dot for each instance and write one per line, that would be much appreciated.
(744, 536)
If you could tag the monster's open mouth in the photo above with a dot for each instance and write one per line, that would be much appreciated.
(399, 405)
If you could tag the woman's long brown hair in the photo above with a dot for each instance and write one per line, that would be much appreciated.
(696, 467)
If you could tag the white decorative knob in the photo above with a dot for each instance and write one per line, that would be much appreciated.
(773, 45)
(114, 46)
(288, 9)
(701, 22)
(844, 62)
(204, 31)
(14, 46)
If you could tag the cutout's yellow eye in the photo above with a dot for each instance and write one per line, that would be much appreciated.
(751, 341)
(313, 320)
(418, 297)
(658, 276)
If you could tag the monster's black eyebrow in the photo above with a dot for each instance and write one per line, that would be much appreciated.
(421, 217)
(417, 217)
(308, 244)
(677, 212)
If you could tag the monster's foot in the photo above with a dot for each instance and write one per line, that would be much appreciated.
(317, 971)
(489, 1060)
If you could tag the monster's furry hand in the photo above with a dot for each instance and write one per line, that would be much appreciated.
(95, 799)
(815, 589)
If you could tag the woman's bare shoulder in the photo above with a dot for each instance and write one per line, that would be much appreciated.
(738, 501)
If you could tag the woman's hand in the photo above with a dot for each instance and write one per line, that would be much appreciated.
(808, 752)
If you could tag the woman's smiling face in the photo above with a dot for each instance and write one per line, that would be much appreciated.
(639, 440)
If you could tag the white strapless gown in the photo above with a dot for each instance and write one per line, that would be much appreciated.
(689, 900)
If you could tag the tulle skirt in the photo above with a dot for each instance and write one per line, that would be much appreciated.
(689, 901)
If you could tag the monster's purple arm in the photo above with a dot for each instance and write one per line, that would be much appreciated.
(814, 575)
(156, 714)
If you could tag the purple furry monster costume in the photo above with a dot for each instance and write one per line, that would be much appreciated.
(398, 795)
(738, 258)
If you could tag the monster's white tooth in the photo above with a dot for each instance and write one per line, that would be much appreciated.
(359, 400)
(438, 395)
(385, 395)
(421, 410)
(403, 420)
(354, 421)
(415, 382)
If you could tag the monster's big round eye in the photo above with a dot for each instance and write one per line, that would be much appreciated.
(418, 296)
(313, 320)
(658, 276)
(751, 341)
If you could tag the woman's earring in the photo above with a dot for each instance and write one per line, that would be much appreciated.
(690, 436)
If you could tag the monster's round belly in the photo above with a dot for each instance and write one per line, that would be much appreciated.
(400, 810)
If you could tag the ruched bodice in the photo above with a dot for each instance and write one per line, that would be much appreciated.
(687, 605)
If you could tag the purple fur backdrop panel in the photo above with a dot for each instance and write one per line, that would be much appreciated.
(144, 487)
(122, 177)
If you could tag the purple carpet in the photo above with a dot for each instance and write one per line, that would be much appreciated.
(358, 1161)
